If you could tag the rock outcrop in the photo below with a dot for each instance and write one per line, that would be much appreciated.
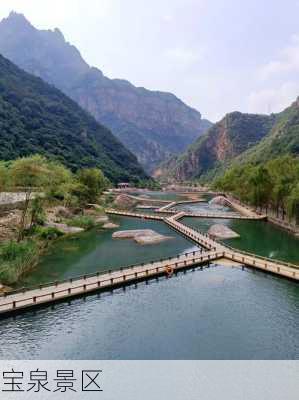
(64, 228)
(101, 220)
(218, 201)
(110, 225)
(222, 232)
(209, 154)
(124, 202)
(141, 236)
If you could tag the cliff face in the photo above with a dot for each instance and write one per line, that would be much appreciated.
(282, 139)
(234, 134)
(152, 124)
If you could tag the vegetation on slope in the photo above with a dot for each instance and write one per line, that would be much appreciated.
(283, 138)
(52, 184)
(37, 118)
(234, 134)
(273, 184)
(152, 124)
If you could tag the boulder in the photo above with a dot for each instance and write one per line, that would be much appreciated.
(142, 236)
(101, 219)
(110, 225)
(131, 234)
(222, 232)
(151, 239)
(63, 212)
(123, 201)
(218, 201)
(64, 228)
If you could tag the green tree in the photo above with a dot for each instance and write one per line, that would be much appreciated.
(284, 173)
(91, 183)
(293, 204)
(38, 178)
(261, 185)
(4, 177)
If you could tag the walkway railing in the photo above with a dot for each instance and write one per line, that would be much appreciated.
(103, 272)
(86, 284)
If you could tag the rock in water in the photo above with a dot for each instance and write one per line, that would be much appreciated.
(64, 228)
(101, 219)
(142, 236)
(110, 225)
(151, 239)
(124, 202)
(218, 201)
(222, 232)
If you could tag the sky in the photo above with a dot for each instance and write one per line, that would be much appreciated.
(218, 56)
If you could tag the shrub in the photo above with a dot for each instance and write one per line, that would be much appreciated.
(16, 259)
(82, 221)
(12, 250)
(48, 233)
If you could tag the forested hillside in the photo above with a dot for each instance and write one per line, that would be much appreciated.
(282, 139)
(35, 117)
(231, 136)
(152, 124)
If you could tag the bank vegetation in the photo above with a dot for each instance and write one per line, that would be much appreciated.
(271, 187)
(48, 185)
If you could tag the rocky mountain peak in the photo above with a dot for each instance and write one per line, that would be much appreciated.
(17, 21)
(154, 125)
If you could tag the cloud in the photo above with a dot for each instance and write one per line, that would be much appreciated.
(183, 56)
(287, 62)
(168, 18)
(272, 100)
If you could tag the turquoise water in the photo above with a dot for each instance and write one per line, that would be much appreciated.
(217, 313)
(96, 250)
(171, 196)
(203, 207)
(257, 237)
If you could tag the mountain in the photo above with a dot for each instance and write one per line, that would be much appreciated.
(225, 140)
(282, 139)
(153, 125)
(35, 117)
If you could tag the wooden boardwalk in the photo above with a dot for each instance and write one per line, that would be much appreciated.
(135, 215)
(277, 267)
(242, 211)
(219, 215)
(53, 292)
(225, 215)
(210, 251)
(287, 270)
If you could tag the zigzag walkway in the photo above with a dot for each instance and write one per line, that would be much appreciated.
(226, 215)
(108, 280)
(133, 214)
(269, 265)
(287, 270)
(243, 213)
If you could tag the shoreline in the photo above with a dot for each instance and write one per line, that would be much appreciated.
(294, 230)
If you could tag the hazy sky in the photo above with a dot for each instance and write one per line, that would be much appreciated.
(216, 55)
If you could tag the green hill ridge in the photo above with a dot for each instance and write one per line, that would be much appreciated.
(35, 117)
(154, 125)
(225, 140)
